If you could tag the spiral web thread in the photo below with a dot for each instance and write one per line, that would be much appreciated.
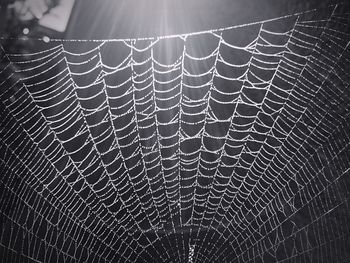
(229, 145)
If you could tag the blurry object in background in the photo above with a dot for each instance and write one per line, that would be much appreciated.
(52, 14)
(5, 3)
(58, 17)
(31, 9)
(32, 19)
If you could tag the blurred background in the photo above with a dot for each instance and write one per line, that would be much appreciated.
(90, 19)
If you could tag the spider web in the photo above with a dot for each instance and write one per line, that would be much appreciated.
(229, 145)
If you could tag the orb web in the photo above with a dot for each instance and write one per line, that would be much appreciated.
(229, 145)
